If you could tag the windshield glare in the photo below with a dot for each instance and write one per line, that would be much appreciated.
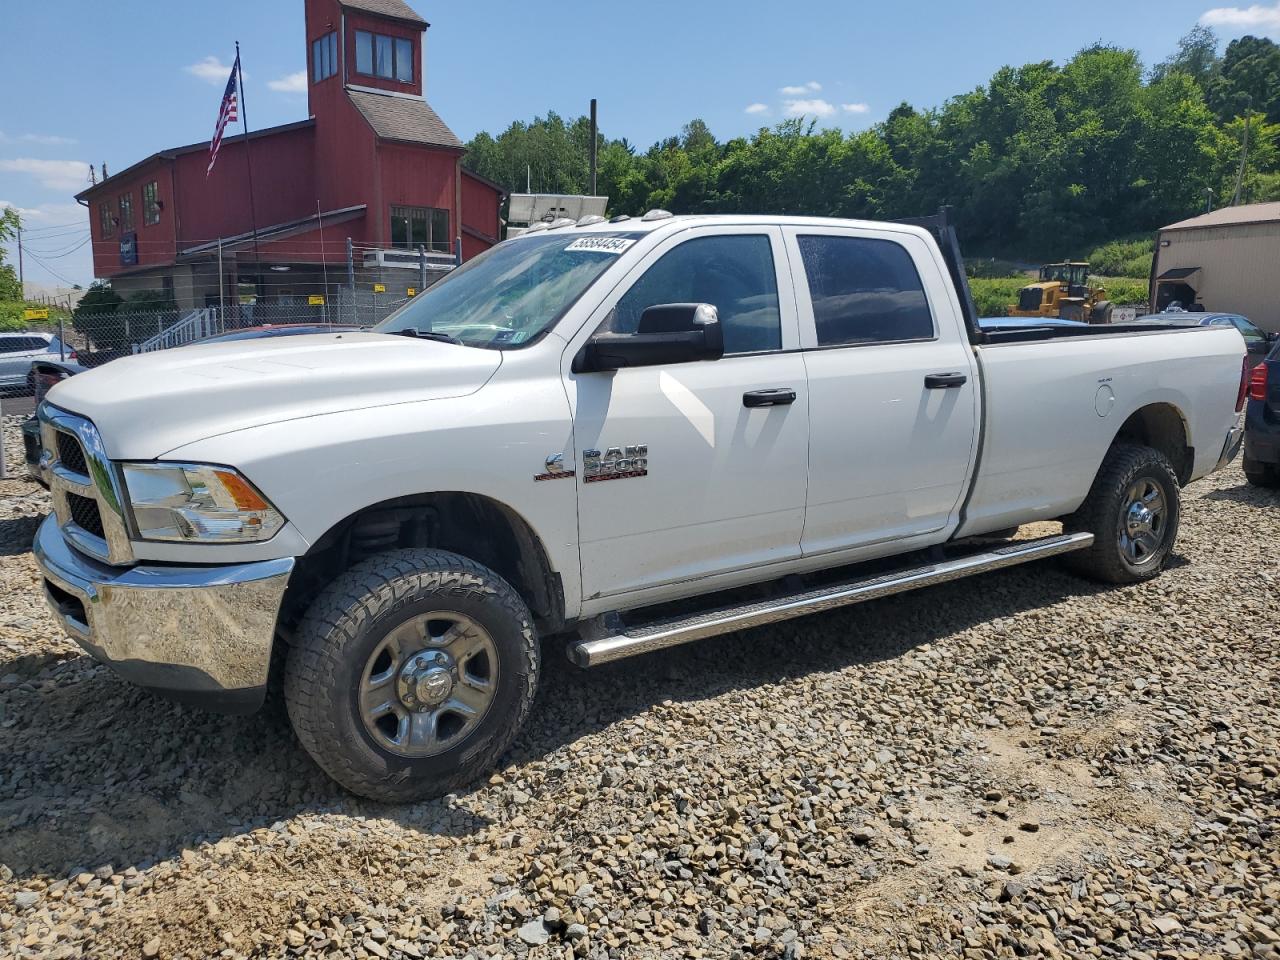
(512, 294)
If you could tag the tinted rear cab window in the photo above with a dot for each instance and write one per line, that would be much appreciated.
(864, 291)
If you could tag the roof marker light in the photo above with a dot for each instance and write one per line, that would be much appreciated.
(656, 215)
(590, 219)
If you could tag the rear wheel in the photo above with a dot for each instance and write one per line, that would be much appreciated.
(411, 673)
(1132, 510)
(1261, 474)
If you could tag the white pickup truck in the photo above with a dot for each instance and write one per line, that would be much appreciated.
(629, 434)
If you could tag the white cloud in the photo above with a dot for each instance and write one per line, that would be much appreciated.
(49, 214)
(810, 108)
(72, 175)
(854, 107)
(757, 108)
(800, 89)
(290, 83)
(47, 139)
(210, 70)
(1257, 18)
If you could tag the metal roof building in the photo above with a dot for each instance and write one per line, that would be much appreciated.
(1226, 260)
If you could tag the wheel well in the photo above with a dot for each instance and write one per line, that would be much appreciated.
(477, 527)
(1161, 427)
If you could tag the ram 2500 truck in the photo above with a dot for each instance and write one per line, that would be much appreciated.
(631, 434)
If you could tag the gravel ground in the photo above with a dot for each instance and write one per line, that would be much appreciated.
(1023, 764)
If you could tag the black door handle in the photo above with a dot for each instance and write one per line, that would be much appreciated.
(777, 397)
(944, 381)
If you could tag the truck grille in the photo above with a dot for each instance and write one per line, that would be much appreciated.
(31, 447)
(71, 454)
(86, 491)
(1029, 298)
(85, 515)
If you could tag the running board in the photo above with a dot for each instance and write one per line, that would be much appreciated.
(599, 644)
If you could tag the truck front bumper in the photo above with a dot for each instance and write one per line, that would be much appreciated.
(202, 635)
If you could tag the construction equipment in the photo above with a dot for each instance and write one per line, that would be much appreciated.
(1063, 291)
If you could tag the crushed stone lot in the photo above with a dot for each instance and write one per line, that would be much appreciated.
(1021, 764)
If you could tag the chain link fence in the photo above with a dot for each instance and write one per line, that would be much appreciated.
(100, 338)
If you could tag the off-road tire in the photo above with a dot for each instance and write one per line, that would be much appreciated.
(1261, 474)
(1103, 514)
(1101, 312)
(343, 626)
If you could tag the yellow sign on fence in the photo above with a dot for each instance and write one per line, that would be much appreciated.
(379, 288)
(315, 300)
(35, 313)
(412, 291)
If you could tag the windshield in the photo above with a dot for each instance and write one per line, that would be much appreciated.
(512, 294)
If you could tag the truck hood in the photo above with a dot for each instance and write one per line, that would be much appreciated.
(148, 404)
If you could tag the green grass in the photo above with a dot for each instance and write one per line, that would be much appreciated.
(11, 316)
(1123, 258)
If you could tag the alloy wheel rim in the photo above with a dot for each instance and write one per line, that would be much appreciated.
(428, 684)
(1143, 521)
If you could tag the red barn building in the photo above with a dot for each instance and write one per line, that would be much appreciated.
(373, 164)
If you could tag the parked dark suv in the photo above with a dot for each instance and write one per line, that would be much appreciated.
(1262, 423)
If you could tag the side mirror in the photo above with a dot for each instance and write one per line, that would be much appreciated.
(668, 333)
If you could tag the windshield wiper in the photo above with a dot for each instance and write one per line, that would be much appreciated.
(427, 335)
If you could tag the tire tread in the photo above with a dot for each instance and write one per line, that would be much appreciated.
(335, 621)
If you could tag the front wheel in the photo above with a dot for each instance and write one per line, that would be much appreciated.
(411, 673)
(1132, 510)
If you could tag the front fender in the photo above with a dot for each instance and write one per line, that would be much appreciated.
(495, 443)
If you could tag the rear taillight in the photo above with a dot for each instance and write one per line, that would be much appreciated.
(1258, 382)
(71, 355)
(1244, 384)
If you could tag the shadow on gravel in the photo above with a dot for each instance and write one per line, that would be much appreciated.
(97, 771)
(574, 703)
(1246, 493)
(16, 535)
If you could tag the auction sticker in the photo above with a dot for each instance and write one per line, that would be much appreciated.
(611, 245)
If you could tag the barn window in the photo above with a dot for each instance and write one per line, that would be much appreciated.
(412, 227)
(324, 57)
(381, 56)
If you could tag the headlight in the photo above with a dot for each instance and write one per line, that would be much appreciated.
(197, 502)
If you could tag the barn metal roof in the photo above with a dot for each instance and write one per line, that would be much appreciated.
(407, 119)
(1229, 216)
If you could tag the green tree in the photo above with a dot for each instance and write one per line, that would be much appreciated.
(10, 288)
(95, 316)
(1196, 57)
(1249, 78)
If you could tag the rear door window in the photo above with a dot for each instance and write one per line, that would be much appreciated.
(864, 290)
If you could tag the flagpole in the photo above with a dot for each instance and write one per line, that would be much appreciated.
(244, 121)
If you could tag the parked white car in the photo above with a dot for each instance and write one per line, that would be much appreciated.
(19, 350)
(571, 432)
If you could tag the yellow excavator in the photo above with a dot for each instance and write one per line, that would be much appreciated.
(1063, 291)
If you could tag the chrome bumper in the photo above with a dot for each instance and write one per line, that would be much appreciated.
(1231, 447)
(200, 634)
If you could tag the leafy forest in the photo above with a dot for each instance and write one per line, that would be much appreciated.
(1043, 161)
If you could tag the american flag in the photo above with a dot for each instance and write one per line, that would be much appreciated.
(226, 114)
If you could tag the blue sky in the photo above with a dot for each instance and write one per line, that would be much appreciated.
(134, 76)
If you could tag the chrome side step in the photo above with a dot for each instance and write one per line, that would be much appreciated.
(599, 644)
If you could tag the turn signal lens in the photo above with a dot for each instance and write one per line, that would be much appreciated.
(1258, 382)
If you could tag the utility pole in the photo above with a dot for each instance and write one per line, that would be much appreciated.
(592, 153)
(22, 287)
(1244, 150)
